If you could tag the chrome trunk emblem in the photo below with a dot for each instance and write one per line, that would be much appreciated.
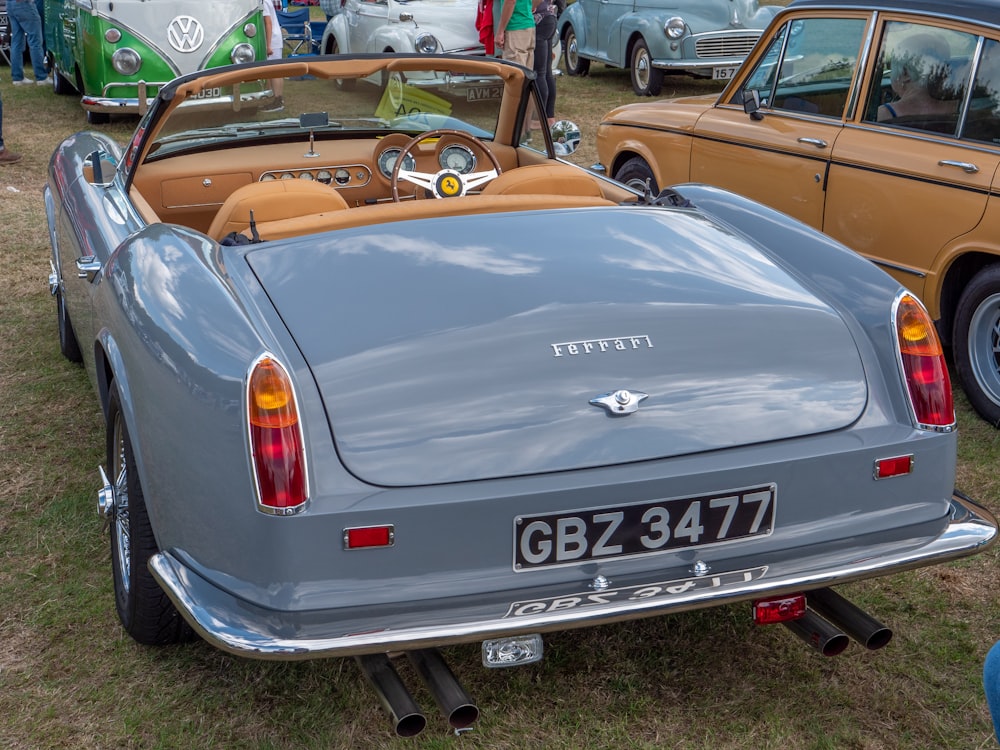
(620, 403)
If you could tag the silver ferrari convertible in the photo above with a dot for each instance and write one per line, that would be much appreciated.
(383, 373)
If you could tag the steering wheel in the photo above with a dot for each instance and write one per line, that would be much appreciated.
(446, 183)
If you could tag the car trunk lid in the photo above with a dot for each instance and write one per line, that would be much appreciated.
(472, 348)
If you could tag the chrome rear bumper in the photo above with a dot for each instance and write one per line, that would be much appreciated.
(245, 629)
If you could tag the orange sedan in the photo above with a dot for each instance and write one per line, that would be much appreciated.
(877, 122)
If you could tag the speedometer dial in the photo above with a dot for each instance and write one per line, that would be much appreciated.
(387, 161)
(458, 158)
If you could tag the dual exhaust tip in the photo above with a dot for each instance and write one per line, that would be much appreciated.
(451, 698)
(829, 624)
(831, 621)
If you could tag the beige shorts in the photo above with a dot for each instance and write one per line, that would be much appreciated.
(519, 47)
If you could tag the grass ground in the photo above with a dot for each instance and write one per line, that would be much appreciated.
(70, 678)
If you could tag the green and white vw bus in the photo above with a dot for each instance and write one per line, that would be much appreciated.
(117, 53)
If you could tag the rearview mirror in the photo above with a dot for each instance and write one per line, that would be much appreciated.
(314, 120)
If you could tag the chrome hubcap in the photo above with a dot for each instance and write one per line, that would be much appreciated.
(642, 69)
(984, 347)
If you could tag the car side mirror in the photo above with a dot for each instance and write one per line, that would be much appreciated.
(751, 104)
(565, 137)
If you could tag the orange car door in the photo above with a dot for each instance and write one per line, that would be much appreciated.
(780, 154)
(902, 186)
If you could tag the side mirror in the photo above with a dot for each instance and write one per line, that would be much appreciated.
(565, 137)
(751, 104)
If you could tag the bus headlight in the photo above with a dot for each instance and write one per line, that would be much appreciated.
(126, 61)
(242, 53)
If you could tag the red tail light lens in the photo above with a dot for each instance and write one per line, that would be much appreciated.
(275, 439)
(924, 368)
(779, 609)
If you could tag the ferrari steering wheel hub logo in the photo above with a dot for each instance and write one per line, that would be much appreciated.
(449, 184)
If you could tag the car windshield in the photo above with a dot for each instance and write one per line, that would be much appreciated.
(370, 100)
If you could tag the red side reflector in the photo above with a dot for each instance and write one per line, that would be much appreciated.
(893, 467)
(779, 609)
(369, 536)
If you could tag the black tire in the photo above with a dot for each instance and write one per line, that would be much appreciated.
(646, 80)
(145, 611)
(575, 65)
(635, 172)
(98, 118)
(60, 85)
(976, 343)
(68, 344)
(344, 84)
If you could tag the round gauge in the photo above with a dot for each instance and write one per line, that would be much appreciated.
(324, 176)
(305, 175)
(342, 176)
(287, 176)
(387, 161)
(458, 158)
(267, 176)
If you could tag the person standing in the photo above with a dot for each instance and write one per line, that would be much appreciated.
(514, 31)
(991, 684)
(6, 155)
(25, 22)
(545, 29)
(275, 50)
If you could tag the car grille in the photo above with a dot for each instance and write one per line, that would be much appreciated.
(726, 46)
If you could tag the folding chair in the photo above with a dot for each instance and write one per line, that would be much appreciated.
(297, 33)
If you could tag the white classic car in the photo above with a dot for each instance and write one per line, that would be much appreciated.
(422, 26)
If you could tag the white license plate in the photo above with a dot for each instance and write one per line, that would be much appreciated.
(546, 540)
(724, 74)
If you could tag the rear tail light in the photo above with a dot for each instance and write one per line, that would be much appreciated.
(275, 439)
(779, 609)
(924, 370)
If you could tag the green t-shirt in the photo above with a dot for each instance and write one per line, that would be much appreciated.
(521, 18)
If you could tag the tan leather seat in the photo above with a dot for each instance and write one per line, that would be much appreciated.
(545, 179)
(272, 201)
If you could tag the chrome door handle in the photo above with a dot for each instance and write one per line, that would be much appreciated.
(817, 142)
(87, 267)
(963, 165)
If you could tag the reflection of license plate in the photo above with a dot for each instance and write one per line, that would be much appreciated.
(213, 93)
(630, 530)
(483, 93)
(724, 74)
(643, 592)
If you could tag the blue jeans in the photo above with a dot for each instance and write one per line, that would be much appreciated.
(991, 684)
(25, 21)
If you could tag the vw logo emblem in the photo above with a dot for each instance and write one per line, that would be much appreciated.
(185, 34)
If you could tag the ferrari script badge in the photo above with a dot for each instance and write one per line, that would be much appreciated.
(620, 403)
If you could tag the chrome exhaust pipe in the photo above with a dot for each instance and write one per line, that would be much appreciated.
(385, 680)
(449, 694)
(818, 633)
(857, 623)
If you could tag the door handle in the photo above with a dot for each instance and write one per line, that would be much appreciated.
(817, 142)
(87, 267)
(963, 165)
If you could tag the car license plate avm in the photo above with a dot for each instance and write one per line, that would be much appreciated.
(724, 74)
(483, 93)
(542, 541)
